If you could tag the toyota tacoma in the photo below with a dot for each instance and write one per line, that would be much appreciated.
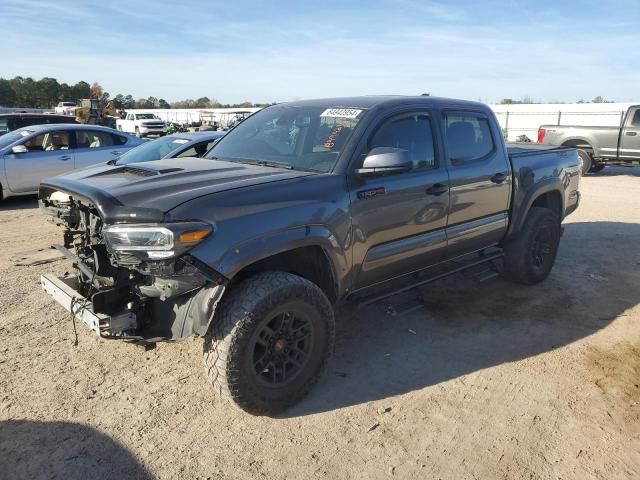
(300, 208)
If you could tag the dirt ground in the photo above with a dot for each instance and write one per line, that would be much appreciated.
(491, 380)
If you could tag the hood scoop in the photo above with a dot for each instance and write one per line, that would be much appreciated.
(140, 172)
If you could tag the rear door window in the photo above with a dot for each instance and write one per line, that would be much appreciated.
(468, 137)
(93, 139)
(118, 139)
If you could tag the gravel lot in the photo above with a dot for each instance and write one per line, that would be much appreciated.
(492, 380)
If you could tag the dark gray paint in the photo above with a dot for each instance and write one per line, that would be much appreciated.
(260, 211)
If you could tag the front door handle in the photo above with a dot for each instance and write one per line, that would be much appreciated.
(498, 178)
(64, 158)
(437, 189)
(632, 134)
(117, 152)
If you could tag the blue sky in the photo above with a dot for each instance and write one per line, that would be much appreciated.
(281, 50)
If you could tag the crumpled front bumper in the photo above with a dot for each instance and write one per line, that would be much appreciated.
(164, 321)
(63, 290)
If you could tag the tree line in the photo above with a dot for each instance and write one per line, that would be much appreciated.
(25, 92)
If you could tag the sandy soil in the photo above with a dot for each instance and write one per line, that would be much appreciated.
(498, 380)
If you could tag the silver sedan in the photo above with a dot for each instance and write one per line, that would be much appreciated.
(30, 154)
(192, 144)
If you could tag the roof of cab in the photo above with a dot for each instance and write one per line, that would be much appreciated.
(370, 101)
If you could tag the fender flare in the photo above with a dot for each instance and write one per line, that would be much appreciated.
(521, 209)
(259, 248)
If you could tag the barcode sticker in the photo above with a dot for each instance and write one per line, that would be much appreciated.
(341, 113)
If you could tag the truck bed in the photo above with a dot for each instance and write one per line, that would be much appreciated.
(526, 149)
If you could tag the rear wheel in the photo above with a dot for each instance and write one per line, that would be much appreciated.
(269, 342)
(529, 257)
(586, 161)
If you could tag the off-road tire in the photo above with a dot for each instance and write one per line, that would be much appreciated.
(229, 345)
(587, 161)
(521, 261)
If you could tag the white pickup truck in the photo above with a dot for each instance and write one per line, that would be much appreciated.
(142, 124)
(65, 108)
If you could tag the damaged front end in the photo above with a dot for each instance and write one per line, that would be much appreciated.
(132, 281)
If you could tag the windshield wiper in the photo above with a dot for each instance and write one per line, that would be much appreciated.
(268, 163)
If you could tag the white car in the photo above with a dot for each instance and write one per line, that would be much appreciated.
(142, 124)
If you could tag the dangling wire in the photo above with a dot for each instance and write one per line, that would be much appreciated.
(84, 306)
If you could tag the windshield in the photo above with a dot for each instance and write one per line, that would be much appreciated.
(145, 116)
(153, 150)
(9, 138)
(300, 138)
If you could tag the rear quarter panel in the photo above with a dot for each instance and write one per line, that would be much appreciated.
(603, 141)
(536, 173)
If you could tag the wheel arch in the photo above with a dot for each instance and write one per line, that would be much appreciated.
(311, 252)
(548, 194)
(579, 142)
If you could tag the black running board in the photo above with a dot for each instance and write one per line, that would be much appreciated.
(484, 259)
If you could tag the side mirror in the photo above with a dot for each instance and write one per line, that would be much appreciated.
(19, 149)
(384, 161)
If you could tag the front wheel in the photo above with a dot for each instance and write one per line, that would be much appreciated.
(269, 342)
(138, 134)
(529, 257)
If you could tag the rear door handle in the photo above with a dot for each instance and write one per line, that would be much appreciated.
(632, 134)
(64, 158)
(498, 178)
(116, 152)
(437, 189)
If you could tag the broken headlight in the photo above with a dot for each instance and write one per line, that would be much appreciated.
(155, 242)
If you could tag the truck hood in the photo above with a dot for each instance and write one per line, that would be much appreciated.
(144, 192)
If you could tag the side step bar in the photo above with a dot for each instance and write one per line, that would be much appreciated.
(484, 259)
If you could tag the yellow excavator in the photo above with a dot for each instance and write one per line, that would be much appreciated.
(94, 112)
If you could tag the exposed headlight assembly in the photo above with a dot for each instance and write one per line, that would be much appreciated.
(155, 242)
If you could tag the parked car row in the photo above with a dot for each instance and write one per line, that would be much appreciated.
(30, 154)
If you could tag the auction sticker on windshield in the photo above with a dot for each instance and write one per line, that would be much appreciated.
(341, 113)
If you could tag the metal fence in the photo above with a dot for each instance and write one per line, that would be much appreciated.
(526, 119)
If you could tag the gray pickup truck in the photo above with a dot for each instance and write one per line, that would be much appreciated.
(599, 146)
(300, 208)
